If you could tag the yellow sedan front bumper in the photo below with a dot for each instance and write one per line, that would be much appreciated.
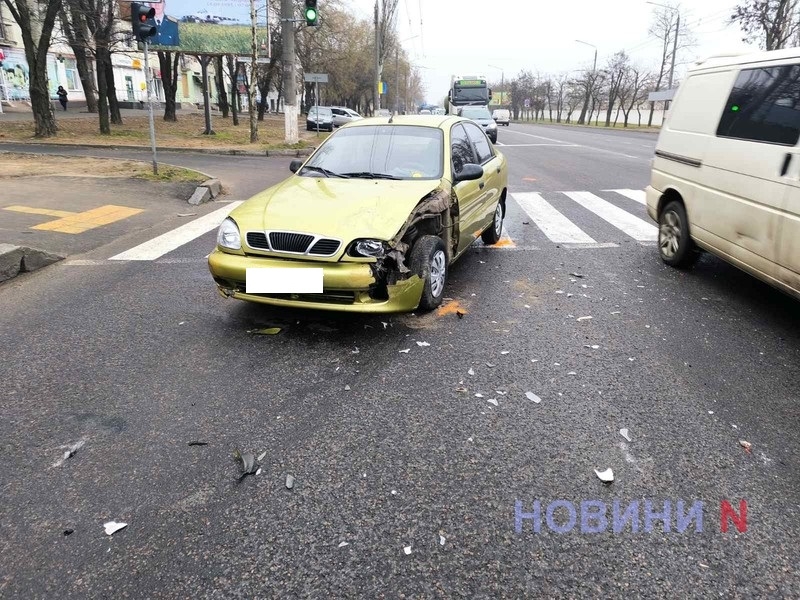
(348, 287)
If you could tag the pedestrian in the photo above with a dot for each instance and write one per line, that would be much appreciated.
(62, 96)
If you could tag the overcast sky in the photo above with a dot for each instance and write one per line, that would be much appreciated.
(460, 37)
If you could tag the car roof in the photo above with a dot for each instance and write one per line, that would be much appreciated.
(742, 58)
(441, 122)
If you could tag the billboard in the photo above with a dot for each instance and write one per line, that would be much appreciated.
(211, 27)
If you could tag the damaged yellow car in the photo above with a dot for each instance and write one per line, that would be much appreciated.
(370, 222)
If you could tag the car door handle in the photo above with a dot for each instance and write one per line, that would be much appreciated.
(498, 169)
(481, 185)
(786, 162)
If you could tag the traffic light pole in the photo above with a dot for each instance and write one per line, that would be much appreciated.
(150, 105)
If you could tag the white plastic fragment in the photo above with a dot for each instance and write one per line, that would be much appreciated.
(606, 476)
(385, 324)
(572, 373)
(347, 388)
(469, 439)
(423, 344)
(356, 351)
(262, 456)
(624, 433)
(406, 351)
(711, 412)
(394, 492)
(559, 291)
(491, 365)
(289, 482)
(492, 401)
(479, 395)
(533, 397)
(527, 306)
(501, 392)
(259, 471)
(343, 544)
(746, 445)
(584, 318)
(504, 352)
(471, 371)
(113, 527)
(70, 450)
(407, 550)
(182, 323)
(616, 312)
(442, 540)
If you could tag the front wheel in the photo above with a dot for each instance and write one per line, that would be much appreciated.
(674, 243)
(429, 261)
(492, 235)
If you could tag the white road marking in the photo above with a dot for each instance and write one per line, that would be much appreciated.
(638, 195)
(541, 137)
(536, 145)
(597, 246)
(553, 224)
(161, 245)
(633, 226)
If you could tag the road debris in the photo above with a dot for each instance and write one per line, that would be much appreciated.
(385, 325)
(593, 347)
(460, 314)
(471, 371)
(527, 306)
(624, 433)
(492, 401)
(113, 527)
(559, 291)
(584, 318)
(258, 472)
(479, 395)
(182, 323)
(262, 456)
(469, 439)
(68, 532)
(569, 295)
(578, 275)
(70, 450)
(196, 443)
(572, 373)
(186, 214)
(423, 344)
(247, 462)
(501, 392)
(746, 445)
(407, 550)
(343, 544)
(442, 540)
(491, 365)
(355, 351)
(406, 351)
(533, 397)
(461, 388)
(606, 476)
(711, 412)
(504, 352)
(394, 492)
(704, 566)
(265, 331)
(289, 482)
(616, 312)
(347, 388)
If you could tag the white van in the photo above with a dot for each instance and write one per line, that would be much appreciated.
(726, 172)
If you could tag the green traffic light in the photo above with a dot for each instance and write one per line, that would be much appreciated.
(311, 14)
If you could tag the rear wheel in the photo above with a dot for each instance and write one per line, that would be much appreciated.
(495, 231)
(429, 261)
(674, 243)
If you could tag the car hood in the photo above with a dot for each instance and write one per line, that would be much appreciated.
(345, 209)
(484, 122)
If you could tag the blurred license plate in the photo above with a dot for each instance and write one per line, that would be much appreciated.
(283, 281)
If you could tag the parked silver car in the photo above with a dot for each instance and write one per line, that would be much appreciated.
(343, 115)
(320, 118)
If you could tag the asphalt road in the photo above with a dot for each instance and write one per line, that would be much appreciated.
(405, 486)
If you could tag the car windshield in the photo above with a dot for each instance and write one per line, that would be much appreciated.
(380, 151)
(323, 112)
(475, 113)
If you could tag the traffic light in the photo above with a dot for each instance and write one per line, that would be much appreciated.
(311, 14)
(140, 15)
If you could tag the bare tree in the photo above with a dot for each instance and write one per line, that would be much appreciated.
(630, 94)
(772, 23)
(663, 28)
(617, 70)
(73, 25)
(36, 20)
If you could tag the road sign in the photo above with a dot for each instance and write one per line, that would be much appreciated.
(316, 77)
(527, 102)
(661, 95)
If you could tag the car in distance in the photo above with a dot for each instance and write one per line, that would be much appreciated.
(319, 118)
(343, 115)
(482, 116)
(370, 222)
(383, 112)
(502, 116)
(726, 167)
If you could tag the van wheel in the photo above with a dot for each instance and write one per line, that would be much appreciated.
(674, 243)
(429, 261)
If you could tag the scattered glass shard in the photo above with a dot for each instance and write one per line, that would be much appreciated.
(606, 476)
(624, 433)
(533, 397)
(113, 527)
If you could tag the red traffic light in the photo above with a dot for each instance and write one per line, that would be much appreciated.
(140, 15)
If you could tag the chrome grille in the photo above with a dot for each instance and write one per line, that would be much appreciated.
(325, 247)
(257, 239)
(283, 241)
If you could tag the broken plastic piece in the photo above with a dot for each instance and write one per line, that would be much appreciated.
(559, 291)
(407, 549)
(584, 318)
(423, 344)
(196, 443)
(461, 313)
(113, 527)
(247, 462)
(624, 433)
(461, 389)
(262, 456)
(385, 325)
(471, 371)
(442, 540)
(343, 544)
(492, 401)
(186, 214)
(265, 331)
(746, 445)
(289, 482)
(504, 352)
(578, 275)
(347, 388)
(527, 306)
(533, 397)
(356, 351)
(68, 532)
(479, 395)
(406, 351)
(606, 476)
(490, 365)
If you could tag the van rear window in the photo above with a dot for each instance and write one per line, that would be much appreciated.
(764, 106)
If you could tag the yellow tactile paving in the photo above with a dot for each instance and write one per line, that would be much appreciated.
(40, 211)
(79, 222)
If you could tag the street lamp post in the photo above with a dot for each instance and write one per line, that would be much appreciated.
(397, 73)
(502, 81)
(674, 45)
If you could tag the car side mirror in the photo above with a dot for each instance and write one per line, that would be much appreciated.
(295, 165)
(469, 172)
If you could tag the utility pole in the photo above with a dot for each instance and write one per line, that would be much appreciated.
(674, 52)
(253, 79)
(397, 79)
(289, 79)
(377, 87)
(147, 78)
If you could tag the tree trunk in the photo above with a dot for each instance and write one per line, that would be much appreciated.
(41, 104)
(169, 79)
(234, 92)
(650, 118)
(87, 79)
(221, 93)
(111, 90)
(102, 94)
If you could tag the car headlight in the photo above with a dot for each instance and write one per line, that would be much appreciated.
(368, 248)
(228, 235)
(492, 125)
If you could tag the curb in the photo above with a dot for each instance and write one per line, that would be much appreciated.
(22, 259)
(296, 153)
(595, 127)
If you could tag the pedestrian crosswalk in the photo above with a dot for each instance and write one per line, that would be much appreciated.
(568, 219)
